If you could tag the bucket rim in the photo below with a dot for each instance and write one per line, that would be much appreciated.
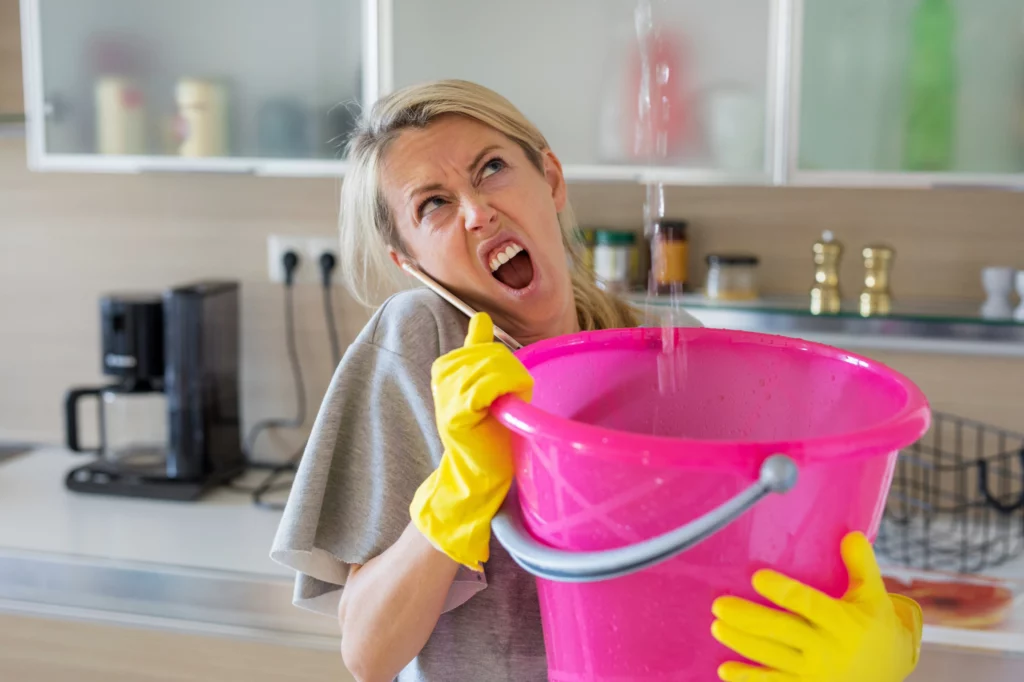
(900, 430)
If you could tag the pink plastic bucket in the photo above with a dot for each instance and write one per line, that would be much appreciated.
(605, 460)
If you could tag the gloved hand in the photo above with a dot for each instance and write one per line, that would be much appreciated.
(866, 635)
(453, 508)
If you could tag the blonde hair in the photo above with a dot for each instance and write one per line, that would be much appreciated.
(368, 229)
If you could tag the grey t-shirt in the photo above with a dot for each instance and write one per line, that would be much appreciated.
(373, 443)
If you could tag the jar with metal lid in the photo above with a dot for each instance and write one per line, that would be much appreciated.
(732, 277)
(614, 258)
(669, 256)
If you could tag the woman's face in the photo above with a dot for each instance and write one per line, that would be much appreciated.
(478, 217)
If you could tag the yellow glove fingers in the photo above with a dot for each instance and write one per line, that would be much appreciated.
(765, 622)
(498, 374)
(481, 330)
(453, 508)
(741, 672)
(758, 650)
(865, 575)
(816, 607)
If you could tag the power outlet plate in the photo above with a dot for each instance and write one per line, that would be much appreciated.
(315, 248)
(308, 248)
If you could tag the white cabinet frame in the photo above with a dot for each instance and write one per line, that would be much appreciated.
(781, 125)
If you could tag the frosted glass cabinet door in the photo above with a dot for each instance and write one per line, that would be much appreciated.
(198, 78)
(572, 67)
(912, 86)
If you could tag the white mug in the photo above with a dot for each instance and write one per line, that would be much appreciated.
(998, 284)
(1019, 313)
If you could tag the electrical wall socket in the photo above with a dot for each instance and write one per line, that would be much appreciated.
(309, 249)
(318, 246)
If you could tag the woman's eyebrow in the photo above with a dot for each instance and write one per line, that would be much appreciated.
(480, 155)
(425, 188)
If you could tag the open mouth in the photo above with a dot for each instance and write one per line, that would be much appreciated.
(512, 266)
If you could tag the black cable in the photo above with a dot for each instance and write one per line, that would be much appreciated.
(291, 263)
(270, 482)
(327, 264)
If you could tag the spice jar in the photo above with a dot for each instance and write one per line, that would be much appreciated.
(614, 257)
(669, 255)
(732, 277)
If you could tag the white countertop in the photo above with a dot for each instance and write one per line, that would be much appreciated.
(222, 535)
(198, 567)
(223, 531)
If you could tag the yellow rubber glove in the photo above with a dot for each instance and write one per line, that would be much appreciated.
(866, 635)
(453, 508)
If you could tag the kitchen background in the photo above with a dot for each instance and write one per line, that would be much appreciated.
(68, 238)
(70, 235)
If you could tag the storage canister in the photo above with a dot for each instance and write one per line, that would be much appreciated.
(614, 255)
(669, 255)
(732, 277)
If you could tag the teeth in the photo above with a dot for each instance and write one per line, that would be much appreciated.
(505, 256)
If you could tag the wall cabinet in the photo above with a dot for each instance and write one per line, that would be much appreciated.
(807, 92)
(219, 85)
(909, 92)
(574, 68)
(11, 106)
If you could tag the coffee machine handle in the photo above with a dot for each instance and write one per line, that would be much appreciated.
(71, 417)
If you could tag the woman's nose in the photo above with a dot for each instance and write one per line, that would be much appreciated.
(478, 213)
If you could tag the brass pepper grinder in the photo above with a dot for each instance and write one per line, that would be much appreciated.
(825, 298)
(876, 299)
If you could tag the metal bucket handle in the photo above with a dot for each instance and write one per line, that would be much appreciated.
(778, 475)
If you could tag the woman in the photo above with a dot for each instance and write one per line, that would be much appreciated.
(387, 524)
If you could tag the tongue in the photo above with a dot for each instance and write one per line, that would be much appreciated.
(517, 273)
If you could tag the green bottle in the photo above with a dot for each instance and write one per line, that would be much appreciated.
(931, 88)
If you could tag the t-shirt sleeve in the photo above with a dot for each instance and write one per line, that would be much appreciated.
(373, 443)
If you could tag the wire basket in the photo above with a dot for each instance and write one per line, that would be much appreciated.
(957, 499)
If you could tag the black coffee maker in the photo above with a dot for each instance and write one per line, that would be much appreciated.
(169, 425)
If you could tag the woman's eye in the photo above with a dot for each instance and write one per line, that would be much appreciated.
(492, 167)
(430, 205)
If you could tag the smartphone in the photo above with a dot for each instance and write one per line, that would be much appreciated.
(466, 310)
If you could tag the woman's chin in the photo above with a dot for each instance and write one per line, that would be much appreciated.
(533, 316)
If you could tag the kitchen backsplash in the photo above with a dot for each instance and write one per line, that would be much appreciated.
(67, 239)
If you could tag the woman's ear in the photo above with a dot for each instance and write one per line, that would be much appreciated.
(400, 261)
(555, 178)
(395, 258)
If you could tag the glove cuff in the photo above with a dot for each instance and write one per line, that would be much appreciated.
(454, 519)
(909, 613)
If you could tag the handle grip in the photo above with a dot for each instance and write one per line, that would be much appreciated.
(992, 500)
(778, 475)
(71, 417)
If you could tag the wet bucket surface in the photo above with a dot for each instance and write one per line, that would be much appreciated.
(605, 459)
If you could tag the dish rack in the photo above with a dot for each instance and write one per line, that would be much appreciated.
(957, 499)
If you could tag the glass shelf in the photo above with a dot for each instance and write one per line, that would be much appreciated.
(945, 312)
(924, 325)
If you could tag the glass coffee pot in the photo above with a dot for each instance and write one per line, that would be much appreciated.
(132, 411)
